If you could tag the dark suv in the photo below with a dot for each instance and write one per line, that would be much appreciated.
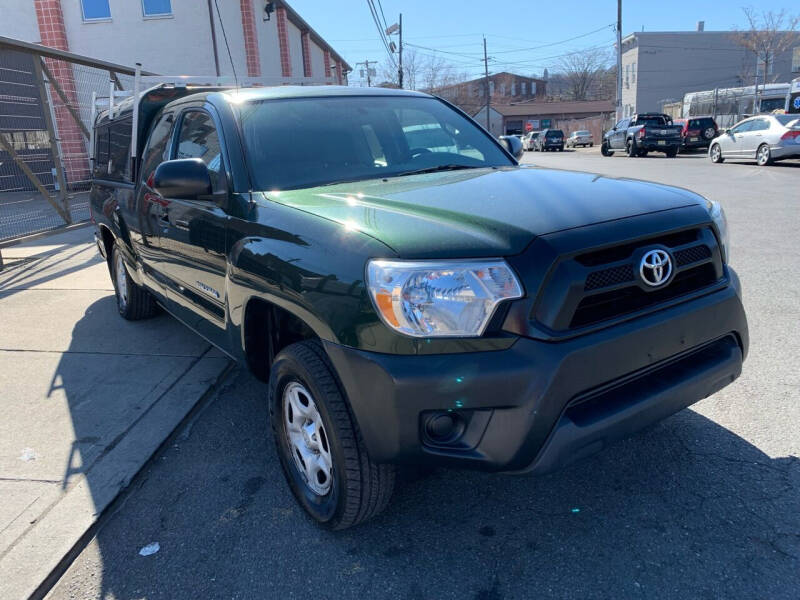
(697, 132)
(550, 139)
(411, 294)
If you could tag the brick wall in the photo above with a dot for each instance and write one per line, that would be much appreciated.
(283, 41)
(250, 39)
(326, 57)
(73, 144)
(304, 39)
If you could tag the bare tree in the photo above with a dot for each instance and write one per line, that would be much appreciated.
(770, 35)
(421, 71)
(581, 71)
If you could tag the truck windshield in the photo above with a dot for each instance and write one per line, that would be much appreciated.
(293, 143)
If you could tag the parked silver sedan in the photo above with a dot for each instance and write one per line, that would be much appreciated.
(765, 138)
(580, 138)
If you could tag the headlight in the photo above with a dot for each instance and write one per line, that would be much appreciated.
(441, 298)
(718, 216)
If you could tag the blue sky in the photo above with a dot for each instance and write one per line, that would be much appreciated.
(456, 26)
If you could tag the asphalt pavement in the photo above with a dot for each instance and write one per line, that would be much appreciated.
(703, 505)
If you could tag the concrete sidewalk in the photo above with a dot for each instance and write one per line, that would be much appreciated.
(85, 399)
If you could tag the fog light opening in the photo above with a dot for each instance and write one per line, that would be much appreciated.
(442, 428)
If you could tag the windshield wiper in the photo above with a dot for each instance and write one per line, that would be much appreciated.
(435, 169)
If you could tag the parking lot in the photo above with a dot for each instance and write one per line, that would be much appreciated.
(704, 505)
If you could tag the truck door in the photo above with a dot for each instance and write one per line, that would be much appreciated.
(617, 139)
(150, 206)
(192, 232)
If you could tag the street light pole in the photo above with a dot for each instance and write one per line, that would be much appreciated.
(486, 82)
(619, 60)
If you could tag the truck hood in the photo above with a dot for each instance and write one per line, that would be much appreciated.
(480, 212)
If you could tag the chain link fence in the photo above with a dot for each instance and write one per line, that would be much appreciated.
(45, 122)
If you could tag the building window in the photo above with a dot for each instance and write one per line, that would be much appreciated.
(633, 73)
(95, 10)
(502, 89)
(796, 59)
(157, 8)
(513, 88)
(491, 88)
(627, 75)
(522, 88)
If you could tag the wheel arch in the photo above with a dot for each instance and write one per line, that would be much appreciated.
(267, 328)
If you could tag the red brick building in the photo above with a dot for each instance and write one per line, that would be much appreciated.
(504, 88)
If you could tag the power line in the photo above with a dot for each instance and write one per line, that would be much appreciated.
(381, 31)
(583, 35)
(225, 37)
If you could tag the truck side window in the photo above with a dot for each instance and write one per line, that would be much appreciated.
(198, 138)
(119, 141)
(101, 152)
(157, 150)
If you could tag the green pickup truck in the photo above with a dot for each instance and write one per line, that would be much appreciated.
(411, 294)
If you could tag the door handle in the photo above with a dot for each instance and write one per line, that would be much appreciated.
(182, 224)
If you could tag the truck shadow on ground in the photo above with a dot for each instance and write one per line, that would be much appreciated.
(685, 509)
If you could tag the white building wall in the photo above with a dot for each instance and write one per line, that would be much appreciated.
(295, 49)
(317, 62)
(177, 45)
(268, 47)
(18, 20)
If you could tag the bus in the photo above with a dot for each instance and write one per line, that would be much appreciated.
(730, 105)
(792, 105)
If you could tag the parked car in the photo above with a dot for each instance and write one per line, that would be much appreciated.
(436, 304)
(765, 138)
(529, 140)
(550, 139)
(643, 133)
(697, 132)
(581, 138)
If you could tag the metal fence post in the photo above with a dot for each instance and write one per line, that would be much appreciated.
(55, 145)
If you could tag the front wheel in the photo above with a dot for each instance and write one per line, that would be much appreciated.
(763, 155)
(318, 441)
(716, 154)
(605, 151)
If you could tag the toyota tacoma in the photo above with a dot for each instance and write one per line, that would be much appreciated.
(410, 293)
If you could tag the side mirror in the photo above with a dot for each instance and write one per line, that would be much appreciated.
(513, 145)
(183, 178)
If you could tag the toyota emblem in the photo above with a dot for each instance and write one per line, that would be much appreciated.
(655, 268)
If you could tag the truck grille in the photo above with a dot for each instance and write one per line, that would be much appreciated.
(596, 287)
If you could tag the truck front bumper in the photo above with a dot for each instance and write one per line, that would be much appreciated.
(540, 405)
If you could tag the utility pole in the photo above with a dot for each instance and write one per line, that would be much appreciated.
(400, 51)
(619, 60)
(755, 87)
(366, 68)
(486, 82)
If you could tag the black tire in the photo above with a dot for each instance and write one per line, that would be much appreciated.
(591, 145)
(360, 488)
(605, 151)
(133, 301)
(763, 156)
(671, 153)
(715, 154)
(561, 148)
(630, 149)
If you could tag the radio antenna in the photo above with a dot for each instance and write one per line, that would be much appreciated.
(227, 47)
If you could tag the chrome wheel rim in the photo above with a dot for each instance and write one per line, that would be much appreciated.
(763, 155)
(715, 152)
(307, 438)
(122, 282)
